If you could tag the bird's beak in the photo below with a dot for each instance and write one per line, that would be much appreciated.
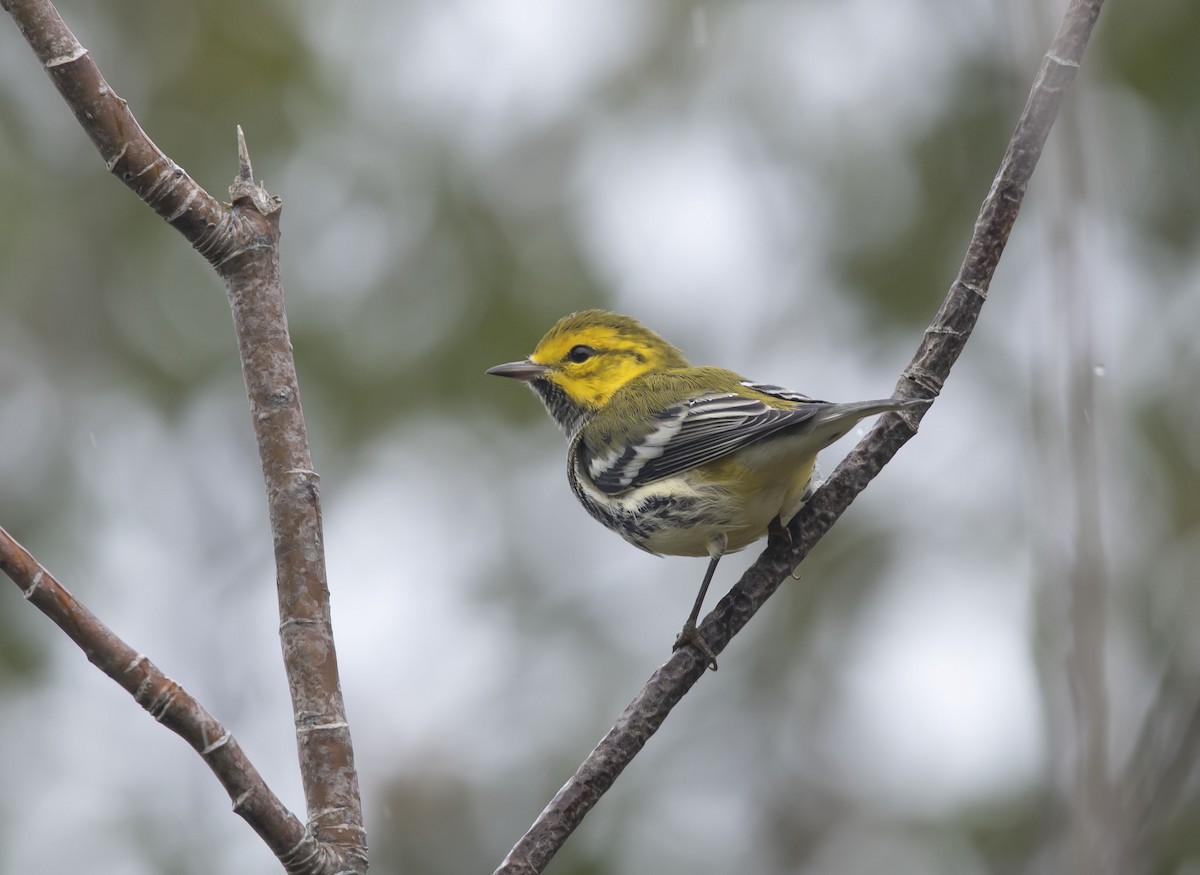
(524, 371)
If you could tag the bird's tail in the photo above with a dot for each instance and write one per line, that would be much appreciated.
(857, 410)
(836, 420)
(831, 423)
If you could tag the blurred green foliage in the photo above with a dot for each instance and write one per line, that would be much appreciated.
(422, 245)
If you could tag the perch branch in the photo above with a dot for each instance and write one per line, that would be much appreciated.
(924, 377)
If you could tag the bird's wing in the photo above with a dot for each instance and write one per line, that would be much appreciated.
(698, 430)
(780, 392)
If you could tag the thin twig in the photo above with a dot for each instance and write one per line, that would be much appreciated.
(241, 241)
(923, 377)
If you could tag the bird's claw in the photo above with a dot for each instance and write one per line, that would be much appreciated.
(691, 635)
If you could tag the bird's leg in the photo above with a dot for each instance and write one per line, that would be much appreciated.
(689, 634)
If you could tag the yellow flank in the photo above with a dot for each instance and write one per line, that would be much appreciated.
(758, 491)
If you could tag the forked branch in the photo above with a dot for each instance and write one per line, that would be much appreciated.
(241, 242)
(164, 700)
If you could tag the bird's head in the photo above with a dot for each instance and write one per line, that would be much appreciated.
(585, 358)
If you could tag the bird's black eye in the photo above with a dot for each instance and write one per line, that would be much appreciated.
(580, 354)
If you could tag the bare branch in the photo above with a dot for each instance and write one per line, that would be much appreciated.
(255, 291)
(923, 377)
(241, 241)
(165, 701)
(128, 153)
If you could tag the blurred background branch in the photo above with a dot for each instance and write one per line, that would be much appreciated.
(1099, 832)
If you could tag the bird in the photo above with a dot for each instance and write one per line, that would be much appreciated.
(679, 460)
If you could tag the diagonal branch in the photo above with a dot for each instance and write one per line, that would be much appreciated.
(241, 242)
(128, 153)
(924, 376)
(164, 700)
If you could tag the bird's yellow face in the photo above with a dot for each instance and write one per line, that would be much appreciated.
(591, 355)
(585, 359)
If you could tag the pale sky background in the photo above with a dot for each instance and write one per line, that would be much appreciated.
(457, 175)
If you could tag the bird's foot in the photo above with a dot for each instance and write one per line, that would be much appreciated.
(691, 635)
